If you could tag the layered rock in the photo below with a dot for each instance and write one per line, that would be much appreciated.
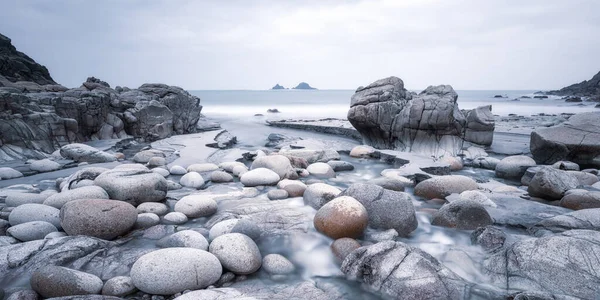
(578, 141)
(390, 117)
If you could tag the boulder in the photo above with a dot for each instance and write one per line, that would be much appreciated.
(343, 246)
(134, 186)
(85, 153)
(174, 270)
(86, 192)
(311, 155)
(551, 184)
(462, 214)
(386, 209)
(399, 271)
(277, 163)
(243, 226)
(200, 168)
(584, 178)
(294, 188)
(576, 140)
(145, 156)
(55, 281)
(184, 238)
(277, 194)
(177, 170)
(318, 194)
(342, 217)
(119, 286)
(153, 207)
(442, 186)
(489, 238)
(192, 180)
(362, 151)
(146, 220)
(175, 218)
(480, 125)
(220, 177)
(105, 219)
(196, 206)
(561, 264)
(340, 165)
(581, 200)
(14, 199)
(237, 253)
(394, 183)
(321, 170)
(160, 171)
(9, 173)
(29, 231)
(566, 165)
(581, 219)
(514, 167)
(44, 165)
(259, 176)
(34, 212)
(277, 264)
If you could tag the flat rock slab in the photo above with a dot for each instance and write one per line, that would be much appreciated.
(518, 212)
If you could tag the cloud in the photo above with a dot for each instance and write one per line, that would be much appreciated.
(470, 44)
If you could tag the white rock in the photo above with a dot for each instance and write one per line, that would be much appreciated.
(192, 180)
(184, 238)
(260, 176)
(196, 206)
(206, 167)
(177, 170)
(175, 218)
(44, 165)
(29, 231)
(153, 207)
(237, 253)
(86, 192)
(162, 172)
(321, 170)
(9, 173)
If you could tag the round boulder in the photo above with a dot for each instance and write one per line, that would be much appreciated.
(277, 264)
(462, 214)
(44, 165)
(258, 177)
(184, 238)
(133, 185)
(200, 168)
(442, 186)
(581, 200)
(340, 165)
(342, 217)
(34, 212)
(295, 188)
(175, 218)
(277, 163)
(9, 173)
(145, 156)
(317, 194)
(174, 270)
(105, 219)
(196, 206)
(160, 209)
(343, 246)
(237, 253)
(118, 286)
(243, 226)
(551, 184)
(321, 170)
(192, 180)
(513, 167)
(54, 281)
(277, 194)
(87, 192)
(147, 220)
(220, 177)
(362, 151)
(35, 230)
(177, 170)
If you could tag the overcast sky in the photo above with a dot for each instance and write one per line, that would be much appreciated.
(244, 44)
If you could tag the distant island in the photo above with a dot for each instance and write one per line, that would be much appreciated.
(588, 89)
(278, 87)
(304, 86)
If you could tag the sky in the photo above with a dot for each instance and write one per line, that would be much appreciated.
(245, 44)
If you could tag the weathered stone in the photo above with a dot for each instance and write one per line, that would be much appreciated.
(318, 194)
(192, 180)
(29, 231)
(551, 184)
(259, 176)
(54, 281)
(514, 166)
(184, 238)
(119, 286)
(196, 206)
(34, 212)
(86, 192)
(85, 153)
(135, 186)
(442, 186)
(105, 219)
(342, 217)
(462, 214)
(276, 163)
(237, 253)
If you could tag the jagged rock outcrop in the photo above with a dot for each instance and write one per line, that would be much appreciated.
(587, 88)
(38, 116)
(390, 117)
(577, 140)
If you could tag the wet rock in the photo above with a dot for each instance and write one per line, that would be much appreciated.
(476, 196)
(184, 238)
(54, 235)
(389, 183)
(23, 295)
(180, 269)
(192, 180)
(489, 238)
(480, 125)
(243, 226)
(153, 207)
(119, 286)
(400, 271)
(581, 200)
(277, 194)
(134, 186)
(172, 185)
(318, 194)
(228, 166)
(85, 153)
(362, 151)
(442, 186)
(156, 162)
(566, 165)
(321, 170)
(561, 264)
(584, 178)
(175, 218)
(143, 157)
(160, 171)
(259, 176)
(277, 163)
(201, 168)
(462, 214)
(294, 188)
(83, 175)
(237, 253)
(9, 173)
(44, 165)
(342, 217)
(455, 163)
(147, 220)
(488, 163)
(343, 246)
(239, 170)
(551, 184)
(177, 170)
(220, 177)
(54, 281)
(30, 231)
(14, 199)
(386, 209)
(277, 264)
(86, 192)
(581, 219)
(340, 165)
(514, 167)
(105, 219)
(312, 155)
(196, 206)
(34, 212)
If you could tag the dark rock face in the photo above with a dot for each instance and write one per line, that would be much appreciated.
(400, 271)
(389, 117)
(16, 66)
(561, 264)
(38, 116)
(577, 141)
(586, 88)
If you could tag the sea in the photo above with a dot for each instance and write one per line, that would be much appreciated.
(317, 104)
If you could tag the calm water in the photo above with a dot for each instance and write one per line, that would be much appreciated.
(335, 103)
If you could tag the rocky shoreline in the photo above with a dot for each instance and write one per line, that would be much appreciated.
(128, 194)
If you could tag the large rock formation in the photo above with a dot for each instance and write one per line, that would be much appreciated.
(38, 116)
(587, 88)
(390, 117)
(577, 140)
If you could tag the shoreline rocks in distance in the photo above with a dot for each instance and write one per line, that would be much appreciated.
(303, 86)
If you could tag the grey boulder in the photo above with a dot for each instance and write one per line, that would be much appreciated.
(85, 153)
(514, 167)
(86, 192)
(462, 214)
(237, 253)
(101, 218)
(551, 184)
(134, 186)
(34, 212)
(29, 231)
(54, 281)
